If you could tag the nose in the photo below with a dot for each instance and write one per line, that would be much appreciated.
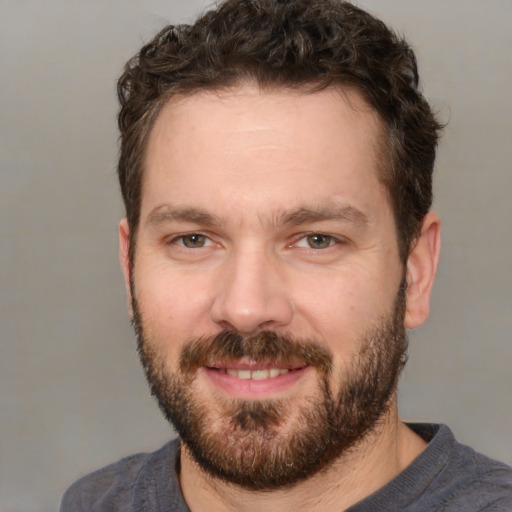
(252, 294)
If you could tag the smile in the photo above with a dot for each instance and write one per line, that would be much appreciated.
(270, 373)
(253, 381)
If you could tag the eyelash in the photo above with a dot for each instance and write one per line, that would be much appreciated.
(180, 240)
(331, 240)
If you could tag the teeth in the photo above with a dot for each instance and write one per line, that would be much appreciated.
(244, 374)
(260, 374)
(256, 374)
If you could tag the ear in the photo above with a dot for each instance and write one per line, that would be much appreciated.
(421, 271)
(124, 247)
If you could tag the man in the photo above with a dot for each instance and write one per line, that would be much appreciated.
(276, 167)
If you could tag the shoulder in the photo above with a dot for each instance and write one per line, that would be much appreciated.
(478, 482)
(467, 480)
(126, 483)
(446, 477)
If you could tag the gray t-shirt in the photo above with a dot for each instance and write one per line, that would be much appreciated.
(446, 477)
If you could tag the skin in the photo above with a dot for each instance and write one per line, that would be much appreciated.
(255, 174)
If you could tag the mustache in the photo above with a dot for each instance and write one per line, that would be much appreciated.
(267, 346)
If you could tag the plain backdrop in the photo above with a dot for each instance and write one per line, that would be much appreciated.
(72, 396)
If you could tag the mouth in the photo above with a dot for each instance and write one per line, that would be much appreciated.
(256, 374)
(260, 374)
(251, 380)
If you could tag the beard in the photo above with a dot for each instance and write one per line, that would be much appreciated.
(272, 443)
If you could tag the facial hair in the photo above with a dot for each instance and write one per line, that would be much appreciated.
(270, 444)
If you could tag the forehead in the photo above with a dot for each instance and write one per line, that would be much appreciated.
(265, 147)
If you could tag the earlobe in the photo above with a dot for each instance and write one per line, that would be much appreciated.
(421, 271)
(124, 258)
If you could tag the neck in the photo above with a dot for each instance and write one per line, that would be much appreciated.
(383, 453)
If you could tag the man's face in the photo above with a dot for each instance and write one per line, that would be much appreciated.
(267, 288)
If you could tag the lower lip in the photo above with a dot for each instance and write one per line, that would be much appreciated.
(255, 389)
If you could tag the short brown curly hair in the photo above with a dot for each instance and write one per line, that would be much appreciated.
(290, 44)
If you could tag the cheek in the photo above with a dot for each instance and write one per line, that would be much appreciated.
(343, 306)
(172, 304)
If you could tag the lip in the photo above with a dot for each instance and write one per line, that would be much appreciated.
(247, 364)
(254, 389)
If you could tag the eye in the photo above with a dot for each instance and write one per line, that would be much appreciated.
(316, 241)
(194, 241)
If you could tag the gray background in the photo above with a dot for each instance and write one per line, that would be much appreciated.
(72, 397)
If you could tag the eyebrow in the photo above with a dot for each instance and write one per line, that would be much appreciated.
(343, 213)
(304, 215)
(168, 213)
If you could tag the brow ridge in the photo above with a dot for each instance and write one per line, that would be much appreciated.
(169, 213)
(302, 215)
